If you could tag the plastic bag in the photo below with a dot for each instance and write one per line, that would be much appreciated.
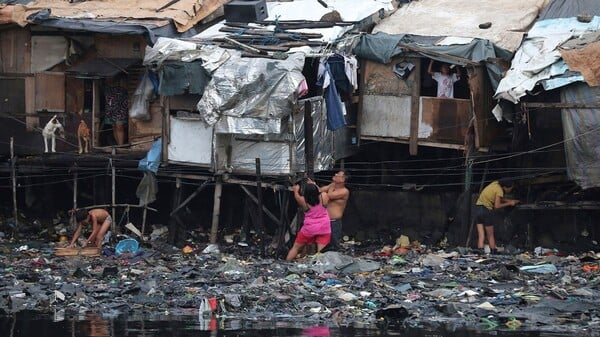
(140, 102)
(127, 246)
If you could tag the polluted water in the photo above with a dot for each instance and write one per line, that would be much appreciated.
(34, 324)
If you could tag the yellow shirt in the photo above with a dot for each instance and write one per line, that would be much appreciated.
(488, 196)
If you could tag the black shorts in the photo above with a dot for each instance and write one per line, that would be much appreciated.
(488, 217)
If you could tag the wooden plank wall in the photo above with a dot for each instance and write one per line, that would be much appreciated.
(379, 79)
(449, 118)
(15, 51)
(486, 126)
(50, 91)
(132, 47)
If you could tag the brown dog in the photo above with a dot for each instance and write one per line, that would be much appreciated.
(83, 137)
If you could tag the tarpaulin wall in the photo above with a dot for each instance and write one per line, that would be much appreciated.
(581, 130)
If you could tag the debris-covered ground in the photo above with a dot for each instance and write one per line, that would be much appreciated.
(364, 285)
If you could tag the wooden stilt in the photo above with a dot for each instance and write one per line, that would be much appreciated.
(75, 179)
(278, 241)
(468, 180)
(13, 173)
(261, 224)
(214, 230)
(174, 221)
(145, 212)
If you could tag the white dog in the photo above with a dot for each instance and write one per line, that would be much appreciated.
(50, 132)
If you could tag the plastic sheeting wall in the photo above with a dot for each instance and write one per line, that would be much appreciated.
(283, 154)
(581, 130)
(190, 141)
(251, 95)
(322, 137)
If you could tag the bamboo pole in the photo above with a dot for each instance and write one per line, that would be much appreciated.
(113, 182)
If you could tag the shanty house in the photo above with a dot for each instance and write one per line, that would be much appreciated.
(255, 93)
(56, 57)
(398, 99)
(550, 94)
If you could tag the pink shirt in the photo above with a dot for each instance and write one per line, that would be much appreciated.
(316, 221)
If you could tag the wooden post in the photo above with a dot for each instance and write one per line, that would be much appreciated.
(75, 176)
(174, 221)
(260, 222)
(216, 211)
(415, 86)
(113, 183)
(145, 212)
(13, 173)
(96, 122)
(308, 139)
(468, 191)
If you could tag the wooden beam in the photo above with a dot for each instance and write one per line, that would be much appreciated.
(188, 199)
(440, 55)
(558, 105)
(226, 179)
(421, 142)
(267, 212)
(119, 205)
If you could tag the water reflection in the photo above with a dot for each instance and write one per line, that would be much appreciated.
(316, 331)
(97, 327)
(29, 324)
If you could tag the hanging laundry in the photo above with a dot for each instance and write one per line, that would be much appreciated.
(335, 107)
(351, 69)
(337, 66)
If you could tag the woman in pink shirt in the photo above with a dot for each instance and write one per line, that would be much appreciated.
(316, 227)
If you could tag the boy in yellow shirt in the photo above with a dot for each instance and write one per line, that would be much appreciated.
(487, 215)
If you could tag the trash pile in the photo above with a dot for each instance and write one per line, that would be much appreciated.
(407, 285)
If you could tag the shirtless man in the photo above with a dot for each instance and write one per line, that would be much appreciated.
(338, 195)
(100, 220)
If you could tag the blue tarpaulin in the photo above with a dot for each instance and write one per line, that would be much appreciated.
(152, 160)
